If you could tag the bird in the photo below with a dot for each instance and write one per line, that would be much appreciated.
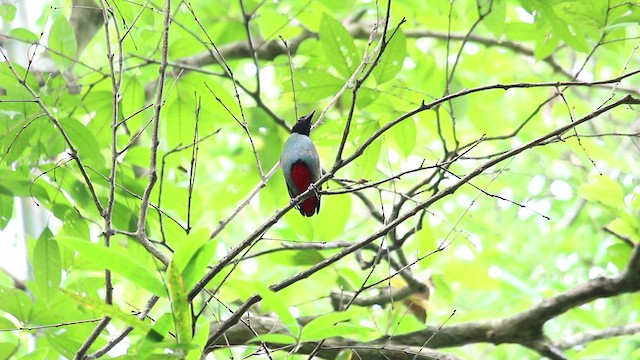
(301, 165)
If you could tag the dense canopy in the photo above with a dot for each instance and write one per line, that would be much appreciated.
(480, 188)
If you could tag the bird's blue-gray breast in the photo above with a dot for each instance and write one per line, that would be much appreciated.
(299, 148)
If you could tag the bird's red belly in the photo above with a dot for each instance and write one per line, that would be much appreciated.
(301, 176)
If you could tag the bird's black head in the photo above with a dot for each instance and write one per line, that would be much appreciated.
(303, 126)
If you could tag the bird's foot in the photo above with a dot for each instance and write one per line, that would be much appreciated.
(314, 189)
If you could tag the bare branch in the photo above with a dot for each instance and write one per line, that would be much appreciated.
(591, 336)
(241, 334)
(141, 233)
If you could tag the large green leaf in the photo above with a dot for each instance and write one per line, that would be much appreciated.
(592, 13)
(403, 136)
(62, 43)
(22, 101)
(495, 18)
(133, 101)
(24, 34)
(200, 338)
(6, 207)
(179, 304)
(47, 268)
(198, 263)
(109, 310)
(7, 12)
(16, 302)
(329, 325)
(338, 45)
(392, 59)
(313, 86)
(367, 162)
(603, 189)
(273, 301)
(154, 338)
(83, 140)
(99, 257)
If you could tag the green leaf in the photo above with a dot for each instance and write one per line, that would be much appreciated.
(22, 102)
(83, 140)
(590, 13)
(404, 136)
(272, 301)
(444, 289)
(333, 217)
(347, 354)
(546, 44)
(133, 100)
(8, 348)
(100, 257)
(333, 331)
(623, 21)
(23, 34)
(495, 19)
(392, 59)
(16, 302)
(577, 40)
(6, 207)
(200, 338)
(62, 343)
(625, 228)
(100, 124)
(15, 142)
(5, 325)
(299, 258)
(40, 353)
(635, 200)
(62, 44)
(7, 12)
(605, 190)
(111, 311)
(367, 163)
(367, 97)
(313, 86)
(21, 185)
(181, 128)
(520, 31)
(197, 265)
(348, 278)
(338, 46)
(272, 22)
(7, 77)
(619, 254)
(329, 325)
(179, 304)
(47, 268)
(153, 339)
(123, 214)
(187, 248)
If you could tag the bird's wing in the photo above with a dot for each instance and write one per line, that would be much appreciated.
(293, 195)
